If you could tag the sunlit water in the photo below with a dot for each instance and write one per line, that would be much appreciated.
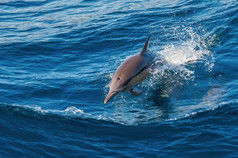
(58, 57)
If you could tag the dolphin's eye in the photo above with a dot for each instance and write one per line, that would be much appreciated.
(118, 78)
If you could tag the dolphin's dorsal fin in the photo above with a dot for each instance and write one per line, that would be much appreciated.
(146, 46)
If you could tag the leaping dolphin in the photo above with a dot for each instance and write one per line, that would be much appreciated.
(131, 72)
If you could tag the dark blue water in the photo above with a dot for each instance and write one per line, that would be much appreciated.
(57, 59)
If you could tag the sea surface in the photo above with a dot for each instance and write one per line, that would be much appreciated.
(57, 58)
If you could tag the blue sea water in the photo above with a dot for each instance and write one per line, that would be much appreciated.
(57, 59)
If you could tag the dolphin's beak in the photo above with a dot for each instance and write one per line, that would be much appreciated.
(109, 96)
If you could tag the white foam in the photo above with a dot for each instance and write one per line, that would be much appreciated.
(177, 56)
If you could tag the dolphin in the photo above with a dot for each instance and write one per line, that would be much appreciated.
(131, 72)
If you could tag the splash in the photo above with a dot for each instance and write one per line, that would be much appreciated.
(176, 60)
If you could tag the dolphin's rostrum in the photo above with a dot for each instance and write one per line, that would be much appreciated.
(130, 73)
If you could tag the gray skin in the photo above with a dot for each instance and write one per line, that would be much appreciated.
(130, 73)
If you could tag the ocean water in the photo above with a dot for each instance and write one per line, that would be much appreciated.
(58, 57)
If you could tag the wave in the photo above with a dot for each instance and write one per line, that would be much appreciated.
(211, 102)
(71, 113)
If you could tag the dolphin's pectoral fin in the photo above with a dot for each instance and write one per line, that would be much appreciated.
(135, 91)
